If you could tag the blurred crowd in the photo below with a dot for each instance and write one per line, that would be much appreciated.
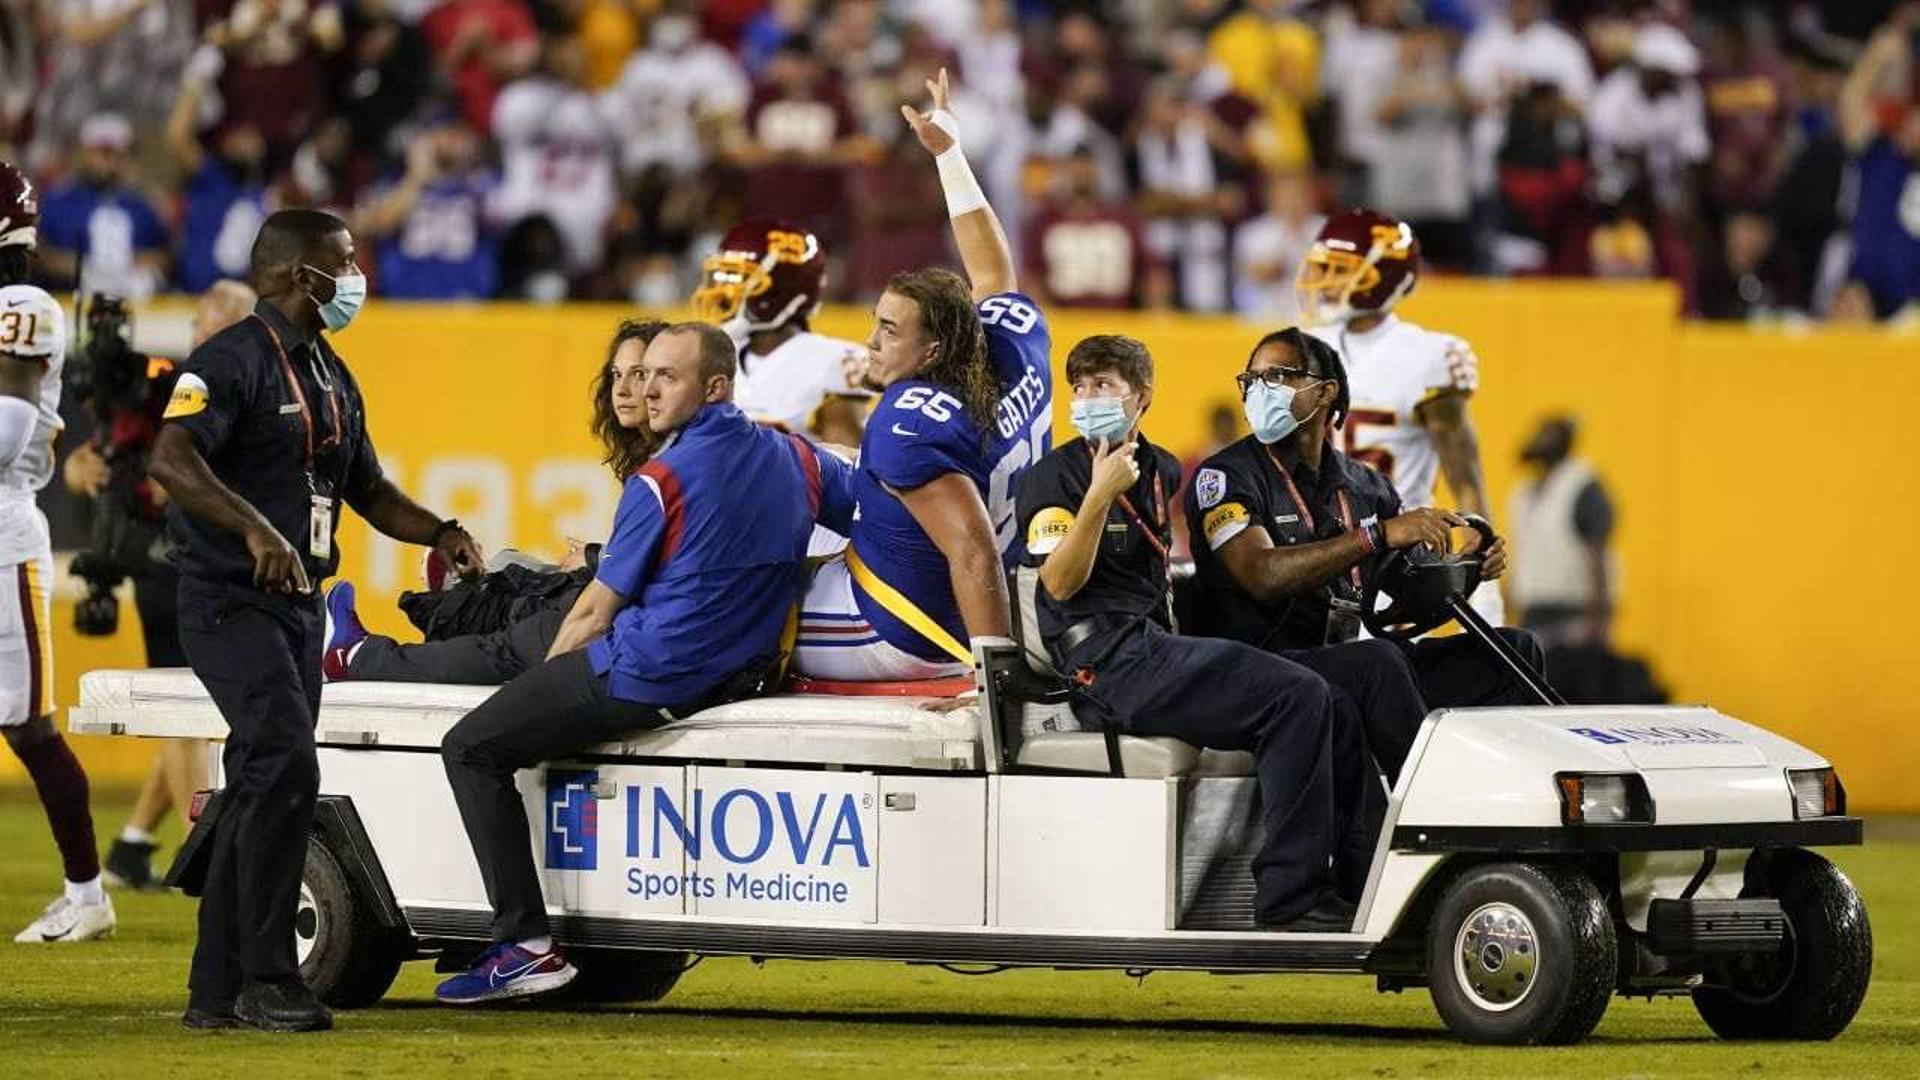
(1142, 153)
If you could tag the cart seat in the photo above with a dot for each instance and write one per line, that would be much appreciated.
(1140, 756)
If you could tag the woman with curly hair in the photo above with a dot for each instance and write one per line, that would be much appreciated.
(526, 605)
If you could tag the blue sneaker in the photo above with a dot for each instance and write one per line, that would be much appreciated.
(344, 632)
(507, 970)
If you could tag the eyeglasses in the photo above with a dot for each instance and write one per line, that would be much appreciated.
(1275, 378)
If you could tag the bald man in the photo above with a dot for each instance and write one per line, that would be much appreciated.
(180, 767)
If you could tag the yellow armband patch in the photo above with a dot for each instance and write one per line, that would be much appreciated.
(1223, 523)
(1047, 529)
(189, 397)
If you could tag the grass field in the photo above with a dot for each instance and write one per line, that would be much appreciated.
(84, 1010)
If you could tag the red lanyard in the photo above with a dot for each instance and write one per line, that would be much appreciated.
(300, 396)
(1306, 512)
(1159, 513)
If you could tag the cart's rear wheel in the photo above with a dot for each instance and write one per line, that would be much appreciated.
(620, 975)
(346, 956)
(1812, 987)
(1521, 953)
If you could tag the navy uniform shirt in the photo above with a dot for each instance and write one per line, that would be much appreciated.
(233, 395)
(1129, 577)
(1241, 486)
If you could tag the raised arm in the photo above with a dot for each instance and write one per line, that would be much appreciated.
(1857, 120)
(976, 229)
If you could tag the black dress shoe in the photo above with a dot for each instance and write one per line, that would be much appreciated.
(284, 1005)
(210, 1018)
(1331, 915)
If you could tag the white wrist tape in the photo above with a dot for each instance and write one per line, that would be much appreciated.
(17, 419)
(956, 176)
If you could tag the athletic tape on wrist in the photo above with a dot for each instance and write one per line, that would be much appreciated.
(956, 176)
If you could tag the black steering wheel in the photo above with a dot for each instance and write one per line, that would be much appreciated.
(1420, 585)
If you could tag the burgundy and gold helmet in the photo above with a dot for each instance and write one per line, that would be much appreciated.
(765, 274)
(19, 209)
(1362, 263)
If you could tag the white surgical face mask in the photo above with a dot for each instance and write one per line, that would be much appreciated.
(349, 294)
(1101, 419)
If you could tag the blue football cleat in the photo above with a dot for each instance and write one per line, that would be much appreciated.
(507, 970)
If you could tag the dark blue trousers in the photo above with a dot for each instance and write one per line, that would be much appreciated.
(1309, 756)
(258, 654)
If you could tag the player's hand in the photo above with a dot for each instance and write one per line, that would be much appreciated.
(1427, 525)
(1114, 471)
(460, 551)
(576, 558)
(276, 566)
(935, 138)
(1494, 564)
(85, 471)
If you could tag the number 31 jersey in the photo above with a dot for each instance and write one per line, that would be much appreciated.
(1392, 370)
(33, 328)
(921, 431)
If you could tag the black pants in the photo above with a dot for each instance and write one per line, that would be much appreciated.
(557, 708)
(1459, 672)
(1379, 680)
(258, 654)
(474, 659)
(156, 595)
(1223, 695)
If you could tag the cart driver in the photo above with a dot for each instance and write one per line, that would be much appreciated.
(1096, 519)
(1287, 528)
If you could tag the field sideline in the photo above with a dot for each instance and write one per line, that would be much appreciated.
(114, 1006)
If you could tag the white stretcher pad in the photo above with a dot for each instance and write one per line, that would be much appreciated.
(887, 732)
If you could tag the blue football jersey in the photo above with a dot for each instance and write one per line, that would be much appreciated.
(920, 432)
(447, 248)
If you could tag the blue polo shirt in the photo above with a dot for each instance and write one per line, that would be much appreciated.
(708, 547)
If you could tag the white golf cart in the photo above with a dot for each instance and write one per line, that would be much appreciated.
(1533, 861)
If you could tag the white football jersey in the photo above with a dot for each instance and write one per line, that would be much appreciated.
(1391, 370)
(32, 325)
(788, 385)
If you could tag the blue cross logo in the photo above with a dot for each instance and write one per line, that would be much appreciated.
(573, 820)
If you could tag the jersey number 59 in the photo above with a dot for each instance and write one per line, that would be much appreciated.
(1007, 312)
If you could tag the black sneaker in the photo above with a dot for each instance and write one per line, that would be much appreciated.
(217, 1017)
(129, 865)
(285, 1005)
(1331, 915)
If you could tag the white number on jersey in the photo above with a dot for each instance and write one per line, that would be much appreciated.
(1000, 494)
(1008, 312)
(936, 405)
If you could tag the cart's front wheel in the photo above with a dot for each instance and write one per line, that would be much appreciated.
(1521, 953)
(1813, 985)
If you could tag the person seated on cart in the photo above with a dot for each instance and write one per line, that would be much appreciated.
(510, 616)
(1097, 523)
(687, 610)
(1287, 530)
